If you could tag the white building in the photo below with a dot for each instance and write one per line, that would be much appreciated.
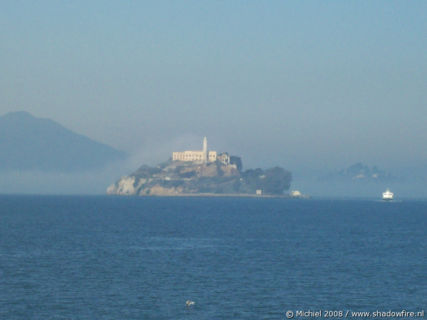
(224, 158)
(202, 156)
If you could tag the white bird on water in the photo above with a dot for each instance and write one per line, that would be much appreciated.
(189, 303)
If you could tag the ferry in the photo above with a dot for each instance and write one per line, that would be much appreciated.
(388, 195)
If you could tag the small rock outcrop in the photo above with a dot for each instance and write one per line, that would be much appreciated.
(360, 173)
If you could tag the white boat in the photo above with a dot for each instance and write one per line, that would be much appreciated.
(388, 195)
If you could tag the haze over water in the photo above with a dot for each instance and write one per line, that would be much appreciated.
(310, 86)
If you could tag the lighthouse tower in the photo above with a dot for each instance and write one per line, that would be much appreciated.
(205, 150)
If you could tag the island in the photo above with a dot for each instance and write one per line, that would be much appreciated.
(203, 173)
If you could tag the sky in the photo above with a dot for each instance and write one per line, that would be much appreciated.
(308, 85)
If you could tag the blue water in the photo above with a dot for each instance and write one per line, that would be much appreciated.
(237, 258)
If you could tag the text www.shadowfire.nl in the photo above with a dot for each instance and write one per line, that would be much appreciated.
(290, 314)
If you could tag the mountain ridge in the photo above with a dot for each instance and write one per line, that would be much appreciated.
(30, 143)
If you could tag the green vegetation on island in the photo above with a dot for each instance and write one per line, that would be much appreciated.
(174, 178)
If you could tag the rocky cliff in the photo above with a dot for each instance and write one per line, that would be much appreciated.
(174, 178)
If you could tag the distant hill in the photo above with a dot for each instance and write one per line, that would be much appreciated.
(30, 143)
(360, 172)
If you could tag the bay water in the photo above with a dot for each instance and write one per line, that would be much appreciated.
(99, 257)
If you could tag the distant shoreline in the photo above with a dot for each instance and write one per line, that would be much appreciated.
(218, 195)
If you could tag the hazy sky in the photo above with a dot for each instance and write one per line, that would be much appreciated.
(302, 84)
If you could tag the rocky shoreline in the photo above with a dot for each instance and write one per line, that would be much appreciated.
(219, 195)
(180, 178)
